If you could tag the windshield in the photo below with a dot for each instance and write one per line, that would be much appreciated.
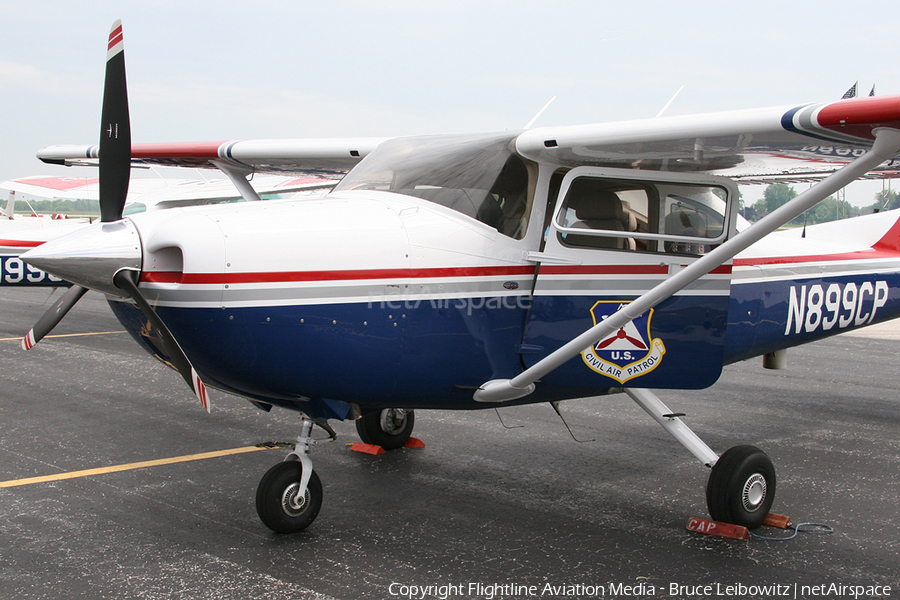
(478, 176)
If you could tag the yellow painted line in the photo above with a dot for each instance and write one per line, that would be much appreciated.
(64, 335)
(132, 466)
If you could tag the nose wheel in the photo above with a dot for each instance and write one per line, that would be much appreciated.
(280, 503)
(289, 495)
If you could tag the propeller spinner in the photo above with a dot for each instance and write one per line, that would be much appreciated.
(107, 255)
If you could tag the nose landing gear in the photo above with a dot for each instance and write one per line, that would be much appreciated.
(289, 495)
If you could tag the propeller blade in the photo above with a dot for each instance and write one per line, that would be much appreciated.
(620, 335)
(640, 345)
(115, 131)
(123, 279)
(123, 260)
(53, 316)
(115, 168)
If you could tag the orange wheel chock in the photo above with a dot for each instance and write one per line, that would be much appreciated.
(367, 448)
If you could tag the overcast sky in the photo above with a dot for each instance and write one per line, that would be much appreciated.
(203, 70)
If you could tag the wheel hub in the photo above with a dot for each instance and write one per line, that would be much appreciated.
(291, 501)
(393, 420)
(754, 492)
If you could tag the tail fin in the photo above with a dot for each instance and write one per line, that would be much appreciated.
(890, 241)
(9, 213)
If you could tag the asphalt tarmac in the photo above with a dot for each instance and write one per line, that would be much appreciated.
(487, 509)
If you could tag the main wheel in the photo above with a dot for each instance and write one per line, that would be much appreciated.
(741, 487)
(278, 503)
(389, 428)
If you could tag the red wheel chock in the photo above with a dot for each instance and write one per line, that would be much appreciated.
(373, 449)
(735, 532)
(779, 521)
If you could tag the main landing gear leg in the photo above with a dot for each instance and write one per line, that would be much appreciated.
(289, 495)
(389, 428)
(741, 485)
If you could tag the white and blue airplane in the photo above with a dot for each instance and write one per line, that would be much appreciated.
(479, 271)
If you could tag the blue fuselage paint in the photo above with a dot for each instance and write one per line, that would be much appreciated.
(768, 316)
(433, 354)
(420, 355)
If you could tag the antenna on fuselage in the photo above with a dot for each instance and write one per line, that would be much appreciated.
(669, 103)
(505, 426)
(555, 406)
(540, 112)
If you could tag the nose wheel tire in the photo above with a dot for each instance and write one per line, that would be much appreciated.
(741, 487)
(278, 502)
(389, 428)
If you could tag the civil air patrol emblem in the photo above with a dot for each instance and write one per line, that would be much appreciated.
(628, 352)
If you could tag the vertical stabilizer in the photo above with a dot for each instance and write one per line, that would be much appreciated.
(10, 211)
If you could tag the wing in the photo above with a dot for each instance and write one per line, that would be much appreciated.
(159, 193)
(790, 143)
(754, 146)
(313, 157)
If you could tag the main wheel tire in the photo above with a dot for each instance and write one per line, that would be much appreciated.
(277, 501)
(389, 428)
(741, 487)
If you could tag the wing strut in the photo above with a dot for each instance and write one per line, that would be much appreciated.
(886, 147)
(239, 178)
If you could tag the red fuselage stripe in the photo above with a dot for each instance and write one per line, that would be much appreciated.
(298, 276)
(790, 260)
(19, 243)
(295, 276)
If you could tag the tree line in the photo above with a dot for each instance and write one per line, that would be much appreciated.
(829, 209)
(75, 207)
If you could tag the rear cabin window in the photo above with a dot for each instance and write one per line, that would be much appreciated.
(643, 216)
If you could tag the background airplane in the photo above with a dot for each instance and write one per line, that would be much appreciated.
(485, 270)
(21, 232)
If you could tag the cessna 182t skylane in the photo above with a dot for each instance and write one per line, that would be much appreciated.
(479, 271)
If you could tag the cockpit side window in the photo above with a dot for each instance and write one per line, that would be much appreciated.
(684, 218)
(133, 208)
